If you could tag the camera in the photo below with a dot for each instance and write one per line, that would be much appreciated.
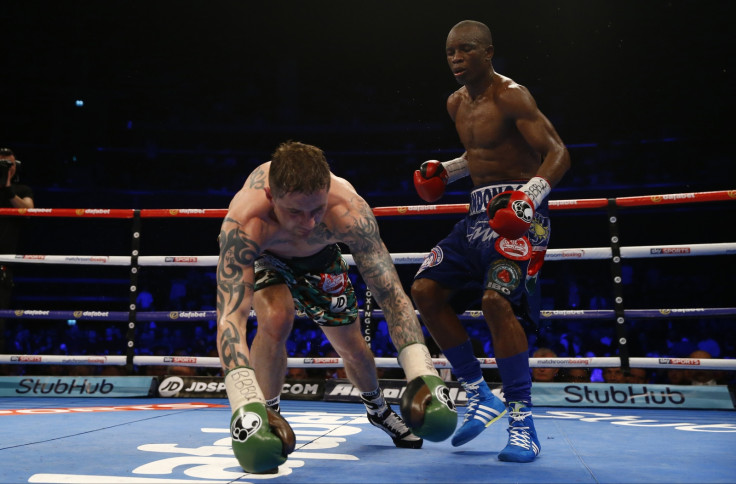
(4, 169)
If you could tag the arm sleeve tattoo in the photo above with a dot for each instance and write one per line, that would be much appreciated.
(234, 292)
(378, 271)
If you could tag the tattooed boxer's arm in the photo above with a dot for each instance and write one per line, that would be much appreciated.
(360, 232)
(235, 279)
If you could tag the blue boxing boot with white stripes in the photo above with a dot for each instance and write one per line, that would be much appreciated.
(523, 443)
(484, 408)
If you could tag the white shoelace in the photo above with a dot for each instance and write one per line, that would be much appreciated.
(519, 434)
(474, 408)
(393, 425)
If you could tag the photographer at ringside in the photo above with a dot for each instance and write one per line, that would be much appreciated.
(12, 195)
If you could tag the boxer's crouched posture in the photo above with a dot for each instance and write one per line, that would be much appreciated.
(278, 252)
(514, 157)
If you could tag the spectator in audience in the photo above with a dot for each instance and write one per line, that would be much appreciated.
(677, 377)
(613, 374)
(211, 353)
(113, 370)
(181, 370)
(701, 377)
(544, 374)
(576, 375)
(297, 373)
(335, 372)
(637, 375)
(157, 370)
(12, 195)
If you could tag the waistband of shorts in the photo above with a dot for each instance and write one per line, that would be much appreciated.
(480, 196)
(313, 263)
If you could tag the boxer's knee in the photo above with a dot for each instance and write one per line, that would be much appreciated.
(275, 324)
(427, 294)
(496, 308)
(275, 313)
(493, 300)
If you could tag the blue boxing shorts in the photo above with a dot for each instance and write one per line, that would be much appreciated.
(473, 258)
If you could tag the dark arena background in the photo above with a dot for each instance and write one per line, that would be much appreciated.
(137, 121)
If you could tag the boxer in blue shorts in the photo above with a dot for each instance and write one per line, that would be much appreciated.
(475, 258)
(495, 253)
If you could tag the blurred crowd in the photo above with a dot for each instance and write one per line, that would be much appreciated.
(573, 338)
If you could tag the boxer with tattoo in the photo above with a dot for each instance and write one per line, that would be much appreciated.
(278, 253)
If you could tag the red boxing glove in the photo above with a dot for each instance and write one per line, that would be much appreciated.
(510, 214)
(430, 180)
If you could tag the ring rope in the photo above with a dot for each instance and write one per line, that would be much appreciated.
(164, 316)
(589, 253)
(213, 362)
(553, 254)
(458, 208)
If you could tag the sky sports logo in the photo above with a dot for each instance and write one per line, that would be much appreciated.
(669, 250)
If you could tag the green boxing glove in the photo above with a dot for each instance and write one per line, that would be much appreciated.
(427, 408)
(261, 438)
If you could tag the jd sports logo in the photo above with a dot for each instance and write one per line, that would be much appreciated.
(339, 304)
(170, 386)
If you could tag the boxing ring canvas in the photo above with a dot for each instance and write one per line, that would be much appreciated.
(155, 440)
